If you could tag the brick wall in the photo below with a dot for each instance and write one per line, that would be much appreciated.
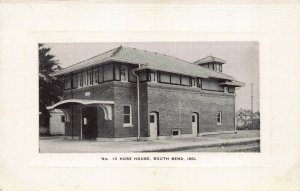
(175, 105)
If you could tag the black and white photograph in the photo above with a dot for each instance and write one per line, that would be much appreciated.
(149, 97)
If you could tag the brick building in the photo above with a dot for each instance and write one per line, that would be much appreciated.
(130, 94)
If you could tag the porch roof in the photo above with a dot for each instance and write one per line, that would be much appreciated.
(233, 83)
(80, 101)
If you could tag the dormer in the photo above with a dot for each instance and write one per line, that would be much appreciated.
(211, 62)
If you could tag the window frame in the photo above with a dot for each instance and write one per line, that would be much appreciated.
(130, 116)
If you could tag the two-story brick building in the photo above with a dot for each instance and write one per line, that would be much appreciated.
(107, 96)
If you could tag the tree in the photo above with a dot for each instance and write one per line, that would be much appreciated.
(50, 87)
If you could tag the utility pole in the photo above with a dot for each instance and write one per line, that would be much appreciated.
(252, 105)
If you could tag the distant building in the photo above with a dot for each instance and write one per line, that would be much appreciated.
(243, 117)
(177, 98)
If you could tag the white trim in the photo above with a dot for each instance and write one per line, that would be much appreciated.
(81, 101)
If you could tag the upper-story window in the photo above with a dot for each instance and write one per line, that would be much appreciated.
(199, 83)
(67, 81)
(75, 81)
(90, 77)
(80, 80)
(108, 72)
(100, 73)
(175, 79)
(96, 75)
(194, 82)
(185, 80)
(153, 76)
(84, 76)
(217, 67)
(230, 89)
(124, 73)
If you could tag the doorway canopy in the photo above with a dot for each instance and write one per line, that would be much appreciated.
(105, 105)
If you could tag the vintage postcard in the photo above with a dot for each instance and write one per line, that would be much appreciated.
(149, 96)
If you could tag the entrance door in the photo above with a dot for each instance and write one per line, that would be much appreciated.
(195, 124)
(153, 126)
(89, 123)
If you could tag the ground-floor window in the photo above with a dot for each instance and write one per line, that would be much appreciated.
(127, 118)
(219, 118)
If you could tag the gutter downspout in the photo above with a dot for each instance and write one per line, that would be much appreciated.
(138, 101)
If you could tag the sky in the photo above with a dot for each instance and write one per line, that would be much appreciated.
(242, 59)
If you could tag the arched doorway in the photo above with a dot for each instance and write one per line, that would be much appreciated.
(84, 117)
(89, 123)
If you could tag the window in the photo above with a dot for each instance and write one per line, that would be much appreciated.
(95, 75)
(131, 77)
(175, 79)
(75, 81)
(123, 73)
(84, 76)
(164, 77)
(199, 83)
(117, 75)
(152, 120)
(225, 89)
(143, 75)
(193, 118)
(127, 115)
(90, 77)
(63, 118)
(67, 81)
(108, 71)
(185, 80)
(231, 89)
(219, 118)
(100, 74)
(152, 76)
(194, 82)
(221, 68)
(80, 80)
(175, 132)
(217, 67)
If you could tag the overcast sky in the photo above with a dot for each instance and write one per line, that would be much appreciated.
(242, 59)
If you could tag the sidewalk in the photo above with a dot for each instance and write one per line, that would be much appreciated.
(60, 145)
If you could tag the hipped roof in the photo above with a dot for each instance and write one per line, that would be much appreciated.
(150, 59)
(209, 59)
